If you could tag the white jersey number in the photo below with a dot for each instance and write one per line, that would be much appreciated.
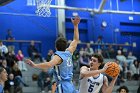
(69, 62)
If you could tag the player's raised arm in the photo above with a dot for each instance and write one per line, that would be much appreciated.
(75, 41)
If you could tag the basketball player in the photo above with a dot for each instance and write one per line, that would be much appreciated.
(62, 61)
(123, 89)
(91, 79)
(3, 78)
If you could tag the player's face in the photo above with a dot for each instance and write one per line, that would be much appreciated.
(0, 43)
(93, 62)
(123, 91)
(4, 75)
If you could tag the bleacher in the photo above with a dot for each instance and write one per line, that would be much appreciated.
(33, 88)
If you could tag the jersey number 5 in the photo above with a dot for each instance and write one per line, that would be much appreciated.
(90, 89)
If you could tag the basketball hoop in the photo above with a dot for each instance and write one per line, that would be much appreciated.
(43, 8)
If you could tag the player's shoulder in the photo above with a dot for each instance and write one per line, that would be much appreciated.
(68, 51)
(84, 67)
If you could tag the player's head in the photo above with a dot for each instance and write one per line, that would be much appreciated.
(61, 44)
(96, 60)
(3, 74)
(123, 89)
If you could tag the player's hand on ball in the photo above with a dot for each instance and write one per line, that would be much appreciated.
(113, 69)
(106, 66)
(29, 62)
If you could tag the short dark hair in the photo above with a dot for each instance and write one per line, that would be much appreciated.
(99, 57)
(123, 87)
(61, 44)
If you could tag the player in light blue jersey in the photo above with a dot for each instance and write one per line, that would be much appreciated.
(62, 61)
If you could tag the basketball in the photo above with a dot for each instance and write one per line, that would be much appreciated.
(113, 70)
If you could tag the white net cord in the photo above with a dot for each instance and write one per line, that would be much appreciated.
(43, 8)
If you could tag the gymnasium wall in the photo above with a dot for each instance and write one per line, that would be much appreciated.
(129, 30)
(26, 26)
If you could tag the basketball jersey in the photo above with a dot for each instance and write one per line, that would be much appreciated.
(63, 73)
(91, 84)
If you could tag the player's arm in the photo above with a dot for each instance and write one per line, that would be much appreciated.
(84, 72)
(56, 60)
(75, 41)
(53, 87)
(108, 88)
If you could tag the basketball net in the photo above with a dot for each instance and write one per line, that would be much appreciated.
(43, 8)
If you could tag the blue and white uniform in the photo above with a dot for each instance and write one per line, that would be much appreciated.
(64, 73)
(91, 84)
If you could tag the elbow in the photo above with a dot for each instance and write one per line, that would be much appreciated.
(84, 74)
(49, 64)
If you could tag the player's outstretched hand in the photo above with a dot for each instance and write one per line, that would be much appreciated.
(30, 62)
(76, 20)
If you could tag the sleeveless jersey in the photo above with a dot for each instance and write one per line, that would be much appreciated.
(64, 71)
(91, 84)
